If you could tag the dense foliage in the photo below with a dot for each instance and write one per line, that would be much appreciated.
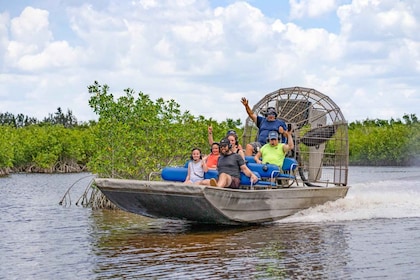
(45, 148)
(380, 142)
(135, 135)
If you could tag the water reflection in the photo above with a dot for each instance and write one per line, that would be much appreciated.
(132, 246)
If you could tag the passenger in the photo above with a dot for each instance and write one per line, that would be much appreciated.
(233, 138)
(211, 159)
(196, 168)
(265, 125)
(274, 152)
(236, 147)
(230, 166)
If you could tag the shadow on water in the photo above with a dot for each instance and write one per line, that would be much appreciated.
(133, 246)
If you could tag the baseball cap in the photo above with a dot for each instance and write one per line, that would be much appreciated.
(273, 135)
(224, 142)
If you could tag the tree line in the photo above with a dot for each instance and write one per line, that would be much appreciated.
(20, 120)
(385, 142)
(135, 135)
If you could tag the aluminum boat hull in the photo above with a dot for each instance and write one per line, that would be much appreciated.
(212, 205)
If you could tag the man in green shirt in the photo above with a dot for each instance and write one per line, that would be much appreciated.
(274, 152)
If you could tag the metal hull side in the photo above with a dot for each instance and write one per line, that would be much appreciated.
(170, 200)
(213, 205)
(270, 205)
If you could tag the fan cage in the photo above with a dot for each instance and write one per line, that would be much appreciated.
(320, 133)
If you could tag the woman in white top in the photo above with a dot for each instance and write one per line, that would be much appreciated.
(196, 168)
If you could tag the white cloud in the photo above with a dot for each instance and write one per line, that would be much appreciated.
(379, 20)
(310, 8)
(31, 27)
(207, 58)
(146, 4)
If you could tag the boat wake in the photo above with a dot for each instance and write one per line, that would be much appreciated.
(388, 199)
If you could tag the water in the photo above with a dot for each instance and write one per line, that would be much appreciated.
(373, 233)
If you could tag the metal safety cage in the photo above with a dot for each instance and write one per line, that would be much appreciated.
(320, 133)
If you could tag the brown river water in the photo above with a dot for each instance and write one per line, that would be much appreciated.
(373, 233)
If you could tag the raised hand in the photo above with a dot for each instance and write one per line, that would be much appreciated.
(244, 101)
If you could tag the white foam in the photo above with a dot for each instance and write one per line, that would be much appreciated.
(384, 199)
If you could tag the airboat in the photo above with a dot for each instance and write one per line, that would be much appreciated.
(316, 172)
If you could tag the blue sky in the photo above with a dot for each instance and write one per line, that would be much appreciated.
(364, 54)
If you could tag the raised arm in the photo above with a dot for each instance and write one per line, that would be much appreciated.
(210, 137)
(251, 114)
(290, 145)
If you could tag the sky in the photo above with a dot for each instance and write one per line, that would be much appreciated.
(206, 55)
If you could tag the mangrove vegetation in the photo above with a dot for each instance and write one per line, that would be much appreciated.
(135, 135)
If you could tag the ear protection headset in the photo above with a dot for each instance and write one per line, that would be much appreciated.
(236, 138)
(230, 131)
(225, 142)
(271, 110)
(198, 149)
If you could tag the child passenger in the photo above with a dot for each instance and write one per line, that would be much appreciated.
(213, 157)
(196, 168)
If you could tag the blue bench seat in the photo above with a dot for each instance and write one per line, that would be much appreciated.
(264, 172)
(272, 171)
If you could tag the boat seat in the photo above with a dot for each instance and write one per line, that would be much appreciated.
(246, 181)
(178, 174)
(265, 170)
(211, 174)
(249, 159)
(287, 175)
(284, 177)
(167, 173)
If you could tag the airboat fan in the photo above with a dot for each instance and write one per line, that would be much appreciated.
(319, 132)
